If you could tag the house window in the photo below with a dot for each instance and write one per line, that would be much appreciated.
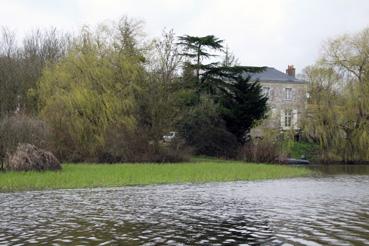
(266, 91)
(288, 118)
(288, 93)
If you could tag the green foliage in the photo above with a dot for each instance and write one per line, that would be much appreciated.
(157, 108)
(239, 102)
(196, 49)
(89, 90)
(320, 124)
(338, 112)
(111, 87)
(242, 106)
(205, 131)
(306, 149)
(219, 80)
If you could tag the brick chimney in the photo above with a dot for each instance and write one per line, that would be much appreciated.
(290, 71)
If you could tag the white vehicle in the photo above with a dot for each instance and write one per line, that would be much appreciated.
(169, 137)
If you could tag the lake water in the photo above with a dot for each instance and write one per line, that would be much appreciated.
(325, 210)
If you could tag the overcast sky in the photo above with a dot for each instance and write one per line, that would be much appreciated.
(271, 33)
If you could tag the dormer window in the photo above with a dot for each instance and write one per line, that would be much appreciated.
(288, 93)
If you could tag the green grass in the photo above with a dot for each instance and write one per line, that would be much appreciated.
(113, 175)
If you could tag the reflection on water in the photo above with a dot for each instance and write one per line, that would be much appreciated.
(330, 210)
(341, 169)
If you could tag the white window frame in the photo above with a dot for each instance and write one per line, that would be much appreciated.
(288, 118)
(288, 94)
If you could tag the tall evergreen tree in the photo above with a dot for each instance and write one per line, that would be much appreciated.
(196, 49)
(242, 106)
(239, 99)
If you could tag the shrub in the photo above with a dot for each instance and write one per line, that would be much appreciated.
(22, 129)
(125, 145)
(214, 141)
(28, 157)
(205, 131)
(303, 149)
(261, 151)
(267, 149)
(175, 151)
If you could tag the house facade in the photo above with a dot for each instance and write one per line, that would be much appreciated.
(287, 98)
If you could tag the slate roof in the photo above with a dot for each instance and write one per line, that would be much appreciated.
(271, 74)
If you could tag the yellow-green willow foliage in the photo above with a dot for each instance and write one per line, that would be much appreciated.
(324, 109)
(338, 110)
(92, 89)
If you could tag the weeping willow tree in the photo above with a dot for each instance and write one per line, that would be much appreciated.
(324, 108)
(338, 115)
(92, 89)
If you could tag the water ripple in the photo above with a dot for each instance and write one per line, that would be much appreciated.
(303, 211)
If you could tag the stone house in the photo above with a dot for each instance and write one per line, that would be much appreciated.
(287, 98)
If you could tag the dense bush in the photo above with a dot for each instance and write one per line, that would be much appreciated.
(305, 149)
(125, 145)
(214, 141)
(266, 149)
(22, 129)
(261, 151)
(206, 133)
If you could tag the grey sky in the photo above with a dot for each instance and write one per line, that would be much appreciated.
(272, 32)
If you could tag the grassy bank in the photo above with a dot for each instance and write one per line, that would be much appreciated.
(298, 149)
(107, 175)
